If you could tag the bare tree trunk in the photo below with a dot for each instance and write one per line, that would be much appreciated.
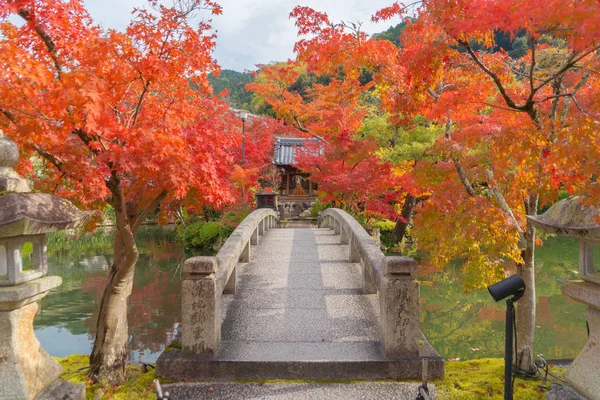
(109, 354)
(526, 312)
(407, 210)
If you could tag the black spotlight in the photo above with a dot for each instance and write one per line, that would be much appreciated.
(513, 286)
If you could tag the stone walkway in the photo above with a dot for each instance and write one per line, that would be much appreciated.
(300, 223)
(300, 300)
(298, 313)
(296, 391)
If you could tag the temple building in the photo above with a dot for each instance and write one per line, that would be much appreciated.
(296, 186)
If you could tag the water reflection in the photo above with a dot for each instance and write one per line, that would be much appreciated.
(67, 321)
(472, 326)
(458, 325)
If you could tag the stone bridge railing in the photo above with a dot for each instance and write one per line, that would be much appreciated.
(207, 278)
(391, 277)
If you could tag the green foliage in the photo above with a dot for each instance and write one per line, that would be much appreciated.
(306, 81)
(76, 243)
(398, 144)
(503, 41)
(392, 34)
(202, 235)
(519, 47)
(109, 217)
(317, 207)
(235, 83)
(384, 225)
(234, 216)
(386, 229)
(26, 255)
(563, 194)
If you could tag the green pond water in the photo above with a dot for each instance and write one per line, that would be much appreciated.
(457, 325)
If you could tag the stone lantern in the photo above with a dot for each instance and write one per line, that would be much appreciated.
(266, 199)
(569, 218)
(26, 369)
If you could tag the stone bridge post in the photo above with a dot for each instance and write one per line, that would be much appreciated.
(400, 307)
(200, 306)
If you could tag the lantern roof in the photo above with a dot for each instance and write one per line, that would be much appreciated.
(569, 217)
(25, 213)
(35, 213)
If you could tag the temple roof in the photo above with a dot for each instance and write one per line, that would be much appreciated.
(285, 149)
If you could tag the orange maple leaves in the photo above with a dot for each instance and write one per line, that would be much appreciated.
(138, 103)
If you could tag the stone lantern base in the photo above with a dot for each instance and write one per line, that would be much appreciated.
(26, 369)
(584, 373)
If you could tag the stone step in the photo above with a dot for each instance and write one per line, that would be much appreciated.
(296, 391)
(299, 351)
(181, 366)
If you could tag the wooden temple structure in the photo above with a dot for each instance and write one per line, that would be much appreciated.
(296, 186)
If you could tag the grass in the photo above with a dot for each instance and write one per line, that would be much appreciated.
(464, 380)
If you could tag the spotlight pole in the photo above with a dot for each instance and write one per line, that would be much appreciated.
(512, 286)
(508, 350)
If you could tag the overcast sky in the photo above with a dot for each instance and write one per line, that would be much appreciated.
(251, 32)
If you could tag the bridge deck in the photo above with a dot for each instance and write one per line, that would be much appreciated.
(300, 300)
(298, 312)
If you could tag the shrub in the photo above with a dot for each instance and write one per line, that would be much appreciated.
(234, 215)
(316, 208)
(384, 226)
(203, 235)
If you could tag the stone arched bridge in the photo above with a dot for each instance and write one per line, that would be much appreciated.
(321, 303)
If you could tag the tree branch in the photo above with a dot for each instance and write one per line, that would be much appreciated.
(501, 108)
(51, 158)
(8, 115)
(48, 42)
(566, 67)
(504, 205)
(462, 174)
(531, 69)
(433, 93)
(568, 101)
(509, 101)
(556, 96)
(141, 100)
(148, 209)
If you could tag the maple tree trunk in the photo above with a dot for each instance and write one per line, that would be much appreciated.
(401, 225)
(108, 359)
(526, 312)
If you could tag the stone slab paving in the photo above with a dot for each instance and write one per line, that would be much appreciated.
(296, 391)
(301, 223)
(299, 299)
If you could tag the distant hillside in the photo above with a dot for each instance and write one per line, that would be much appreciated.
(516, 47)
(235, 82)
(392, 34)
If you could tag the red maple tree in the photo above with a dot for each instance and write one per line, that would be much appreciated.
(120, 118)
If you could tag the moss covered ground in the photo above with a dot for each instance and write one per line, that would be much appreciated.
(138, 386)
(484, 379)
(464, 380)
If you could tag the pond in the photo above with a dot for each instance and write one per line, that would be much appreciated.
(457, 325)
